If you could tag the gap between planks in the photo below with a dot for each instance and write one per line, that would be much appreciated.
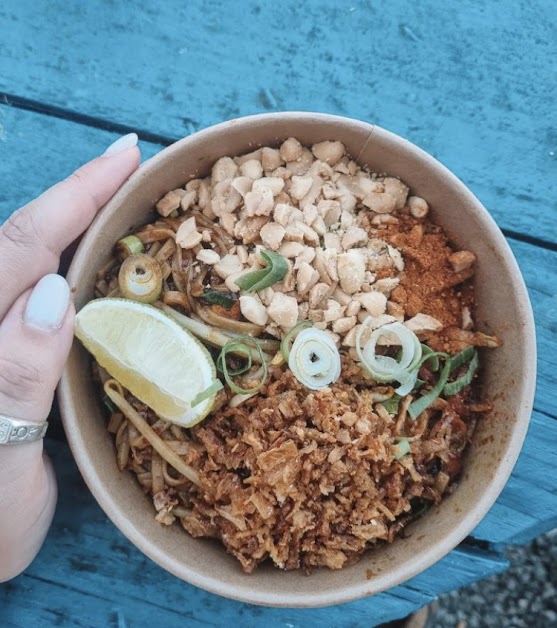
(27, 104)
(62, 113)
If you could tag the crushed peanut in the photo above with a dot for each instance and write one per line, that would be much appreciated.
(337, 225)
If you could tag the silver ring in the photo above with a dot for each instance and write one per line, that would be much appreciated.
(13, 431)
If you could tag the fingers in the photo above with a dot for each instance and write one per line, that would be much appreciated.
(32, 239)
(35, 339)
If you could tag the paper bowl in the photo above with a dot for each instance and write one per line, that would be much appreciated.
(509, 377)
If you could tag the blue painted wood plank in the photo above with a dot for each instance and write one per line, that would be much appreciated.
(527, 506)
(539, 268)
(53, 604)
(36, 151)
(466, 563)
(470, 82)
(88, 574)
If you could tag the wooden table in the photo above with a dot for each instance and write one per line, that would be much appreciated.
(471, 82)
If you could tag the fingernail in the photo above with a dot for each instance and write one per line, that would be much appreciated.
(48, 303)
(127, 141)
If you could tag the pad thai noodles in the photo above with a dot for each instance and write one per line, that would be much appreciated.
(340, 319)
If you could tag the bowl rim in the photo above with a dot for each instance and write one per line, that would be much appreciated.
(414, 565)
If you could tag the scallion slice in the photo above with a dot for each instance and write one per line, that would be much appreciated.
(289, 338)
(275, 271)
(239, 349)
(108, 404)
(391, 405)
(402, 447)
(130, 245)
(461, 358)
(223, 298)
(408, 385)
(208, 392)
(432, 357)
(421, 404)
(385, 369)
(314, 359)
(140, 278)
(240, 345)
(465, 380)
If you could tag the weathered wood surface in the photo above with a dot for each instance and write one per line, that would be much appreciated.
(527, 507)
(88, 574)
(37, 150)
(471, 82)
(86, 564)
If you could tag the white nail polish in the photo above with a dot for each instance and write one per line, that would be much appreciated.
(121, 144)
(48, 303)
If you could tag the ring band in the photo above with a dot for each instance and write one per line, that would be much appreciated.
(14, 431)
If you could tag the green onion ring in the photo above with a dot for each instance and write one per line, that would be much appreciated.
(421, 404)
(208, 392)
(238, 346)
(285, 343)
(391, 405)
(413, 383)
(275, 271)
(130, 245)
(403, 447)
(314, 359)
(109, 405)
(429, 353)
(465, 380)
(461, 358)
(385, 369)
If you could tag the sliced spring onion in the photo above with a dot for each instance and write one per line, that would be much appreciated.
(130, 245)
(391, 405)
(465, 380)
(461, 358)
(421, 404)
(269, 345)
(420, 509)
(276, 269)
(173, 214)
(239, 349)
(108, 404)
(140, 278)
(408, 385)
(432, 357)
(241, 346)
(314, 359)
(208, 392)
(414, 381)
(402, 447)
(285, 344)
(223, 298)
(385, 369)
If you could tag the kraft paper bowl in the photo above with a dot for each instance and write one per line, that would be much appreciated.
(509, 377)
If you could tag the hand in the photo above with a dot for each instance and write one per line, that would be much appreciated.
(36, 331)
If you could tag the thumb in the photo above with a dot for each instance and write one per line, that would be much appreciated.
(35, 339)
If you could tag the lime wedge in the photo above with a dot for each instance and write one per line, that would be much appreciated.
(158, 361)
